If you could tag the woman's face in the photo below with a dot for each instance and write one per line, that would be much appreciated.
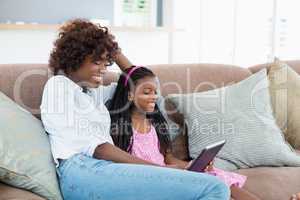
(144, 95)
(90, 73)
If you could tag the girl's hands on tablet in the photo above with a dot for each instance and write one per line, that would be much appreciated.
(209, 167)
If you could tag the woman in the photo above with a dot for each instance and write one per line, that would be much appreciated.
(89, 165)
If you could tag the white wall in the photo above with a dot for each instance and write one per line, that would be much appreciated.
(229, 32)
(25, 46)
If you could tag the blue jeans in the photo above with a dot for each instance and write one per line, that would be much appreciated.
(85, 178)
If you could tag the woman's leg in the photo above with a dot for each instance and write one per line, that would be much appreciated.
(242, 194)
(82, 178)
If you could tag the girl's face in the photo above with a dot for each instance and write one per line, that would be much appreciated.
(90, 73)
(144, 95)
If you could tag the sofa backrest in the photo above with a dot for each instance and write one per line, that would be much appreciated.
(24, 83)
(187, 78)
(295, 64)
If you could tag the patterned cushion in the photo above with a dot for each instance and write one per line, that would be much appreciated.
(242, 115)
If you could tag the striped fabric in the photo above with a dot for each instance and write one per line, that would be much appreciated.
(242, 115)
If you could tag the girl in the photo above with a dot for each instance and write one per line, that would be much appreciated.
(139, 128)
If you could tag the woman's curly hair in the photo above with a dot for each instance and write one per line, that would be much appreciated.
(78, 39)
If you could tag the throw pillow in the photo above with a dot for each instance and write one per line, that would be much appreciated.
(285, 96)
(242, 115)
(25, 157)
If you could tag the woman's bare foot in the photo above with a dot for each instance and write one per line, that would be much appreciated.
(295, 196)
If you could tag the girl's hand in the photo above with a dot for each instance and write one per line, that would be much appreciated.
(209, 167)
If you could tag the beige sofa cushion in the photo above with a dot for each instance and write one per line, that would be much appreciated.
(188, 78)
(285, 95)
(272, 183)
(11, 193)
(24, 83)
(294, 64)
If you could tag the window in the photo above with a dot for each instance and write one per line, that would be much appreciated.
(236, 32)
(288, 32)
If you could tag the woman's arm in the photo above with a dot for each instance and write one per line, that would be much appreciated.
(122, 61)
(171, 160)
(108, 151)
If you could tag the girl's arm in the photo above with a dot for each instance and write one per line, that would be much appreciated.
(171, 160)
(122, 61)
(108, 151)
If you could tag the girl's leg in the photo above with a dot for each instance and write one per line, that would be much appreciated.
(242, 194)
(82, 178)
(296, 196)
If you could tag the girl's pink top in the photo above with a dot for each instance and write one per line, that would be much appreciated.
(229, 178)
(146, 147)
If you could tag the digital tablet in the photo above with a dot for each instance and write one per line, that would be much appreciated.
(206, 156)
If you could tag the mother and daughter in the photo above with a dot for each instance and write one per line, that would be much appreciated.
(120, 151)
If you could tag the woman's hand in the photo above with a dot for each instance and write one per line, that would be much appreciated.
(122, 61)
(170, 159)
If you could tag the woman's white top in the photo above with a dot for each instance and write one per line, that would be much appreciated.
(76, 122)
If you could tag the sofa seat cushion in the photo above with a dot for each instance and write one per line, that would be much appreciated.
(272, 183)
(9, 192)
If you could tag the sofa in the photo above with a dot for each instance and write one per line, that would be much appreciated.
(268, 183)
